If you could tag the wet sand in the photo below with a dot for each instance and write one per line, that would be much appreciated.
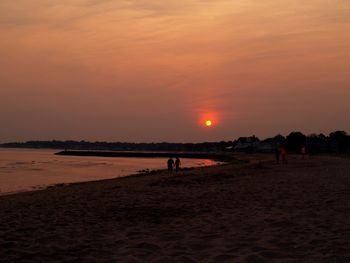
(258, 212)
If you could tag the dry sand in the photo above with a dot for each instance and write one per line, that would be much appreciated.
(298, 212)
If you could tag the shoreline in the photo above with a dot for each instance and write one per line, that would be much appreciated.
(141, 173)
(27, 169)
(161, 173)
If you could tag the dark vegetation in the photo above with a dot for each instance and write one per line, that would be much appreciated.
(335, 142)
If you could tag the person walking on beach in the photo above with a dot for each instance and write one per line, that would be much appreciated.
(177, 164)
(283, 153)
(170, 165)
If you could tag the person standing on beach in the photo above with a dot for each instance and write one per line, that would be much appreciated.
(177, 164)
(170, 165)
(303, 151)
(283, 152)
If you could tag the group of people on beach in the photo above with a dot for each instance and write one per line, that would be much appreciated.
(281, 153)
(174, 164)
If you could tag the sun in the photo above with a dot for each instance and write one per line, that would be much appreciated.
(208, 123)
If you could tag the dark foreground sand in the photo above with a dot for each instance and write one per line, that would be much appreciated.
(299, 212)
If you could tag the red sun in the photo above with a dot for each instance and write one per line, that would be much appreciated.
(208, 123)
(209, 120)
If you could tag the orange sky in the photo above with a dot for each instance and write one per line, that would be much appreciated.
(137, 70)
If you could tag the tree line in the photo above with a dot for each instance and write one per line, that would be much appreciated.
(335, 142)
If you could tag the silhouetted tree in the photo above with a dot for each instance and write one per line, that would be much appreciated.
(295, 141)
(317, 143)
(336, 142)
(339, 142)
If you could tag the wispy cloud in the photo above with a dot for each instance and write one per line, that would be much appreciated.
(131, 56)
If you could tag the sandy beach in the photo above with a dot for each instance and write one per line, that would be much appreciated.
(256, 212)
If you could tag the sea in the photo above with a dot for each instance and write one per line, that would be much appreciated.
(31, 169)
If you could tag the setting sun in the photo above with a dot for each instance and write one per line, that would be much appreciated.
(208, 123)
(208, 118)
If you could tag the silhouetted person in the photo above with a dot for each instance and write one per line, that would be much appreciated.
(170, 165)
(283, 153)
(177, 164)
(277, 155)
(303, 151)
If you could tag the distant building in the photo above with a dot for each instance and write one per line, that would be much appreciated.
(254, 147)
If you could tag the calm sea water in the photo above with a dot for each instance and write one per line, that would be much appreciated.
(24, 169)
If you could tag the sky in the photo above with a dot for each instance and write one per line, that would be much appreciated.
(153, 71)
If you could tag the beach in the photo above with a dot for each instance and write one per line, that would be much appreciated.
(241, 212)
